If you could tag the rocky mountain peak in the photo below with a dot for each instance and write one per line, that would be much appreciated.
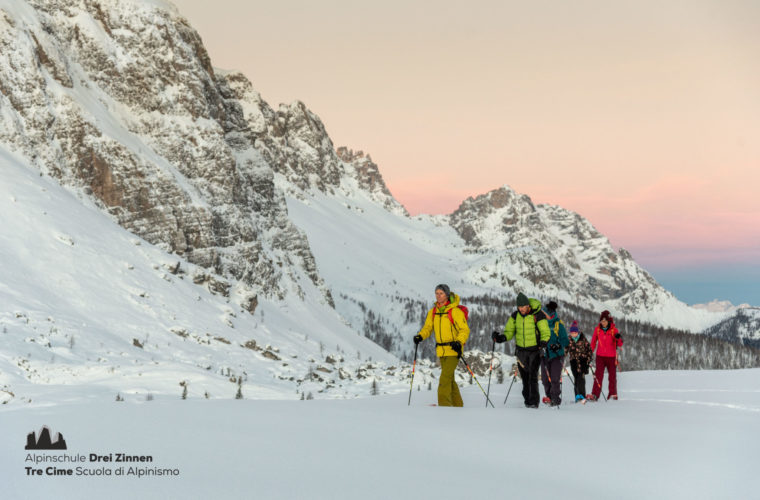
(118, 101)
(501, 212)
(369, 179)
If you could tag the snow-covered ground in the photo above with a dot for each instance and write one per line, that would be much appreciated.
(688, 435)
(90, 308)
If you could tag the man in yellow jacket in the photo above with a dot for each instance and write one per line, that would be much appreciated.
(448, 322)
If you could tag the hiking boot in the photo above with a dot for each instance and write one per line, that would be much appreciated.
(555, 403)
(531, 406)
(591, 397)
(614, 396)
(579, 398)
(545, 400)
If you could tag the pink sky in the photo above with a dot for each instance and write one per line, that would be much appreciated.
(643, 116)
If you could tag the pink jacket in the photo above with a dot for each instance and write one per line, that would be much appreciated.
(608, 344)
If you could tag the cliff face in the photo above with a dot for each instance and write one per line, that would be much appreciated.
(118, 100)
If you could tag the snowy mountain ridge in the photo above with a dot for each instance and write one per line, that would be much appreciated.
(119, 103)
(193, 160)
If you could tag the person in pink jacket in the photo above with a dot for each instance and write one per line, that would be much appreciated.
(608, 338)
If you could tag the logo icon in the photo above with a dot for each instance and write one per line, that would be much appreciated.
(44, 442)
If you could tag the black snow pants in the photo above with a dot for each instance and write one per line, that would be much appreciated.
(579, 375)
(531, 360)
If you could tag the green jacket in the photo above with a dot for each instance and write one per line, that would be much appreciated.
(525, 328)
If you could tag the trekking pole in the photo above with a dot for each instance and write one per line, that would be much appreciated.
(617, 371)
(545, 370)
(514, 377)
(570, 376)
(598, 382)
(411, 383)
(490, 372)
(461, 358)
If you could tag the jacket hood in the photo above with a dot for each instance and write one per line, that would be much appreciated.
(535, 305)
(552, 320)
(454, 299)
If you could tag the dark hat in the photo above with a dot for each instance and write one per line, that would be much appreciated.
(574, 327)
(551, 307)
(445, 289)
(605, 315)
(522, 300)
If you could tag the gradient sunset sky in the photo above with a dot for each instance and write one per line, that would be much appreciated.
(642, 116)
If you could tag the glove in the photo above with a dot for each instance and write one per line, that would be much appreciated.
(417, 339)
(457, 346)
(498, 337)
(618, 336)
(554, 347)
(542, 348)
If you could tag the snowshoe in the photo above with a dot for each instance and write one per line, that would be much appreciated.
(545, 400)
(579, 398)
(591, 397)
(614, 396)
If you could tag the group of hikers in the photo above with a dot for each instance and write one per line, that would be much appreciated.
(541, 343)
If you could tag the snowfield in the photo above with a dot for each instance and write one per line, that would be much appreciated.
(92, 309)
(688, 435)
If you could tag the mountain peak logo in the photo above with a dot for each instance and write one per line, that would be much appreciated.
(44, 441)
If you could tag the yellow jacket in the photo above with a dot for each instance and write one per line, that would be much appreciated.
(438, 320)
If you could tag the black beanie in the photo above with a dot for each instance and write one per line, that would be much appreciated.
(551, 307)
(445, 289)
(522, 300)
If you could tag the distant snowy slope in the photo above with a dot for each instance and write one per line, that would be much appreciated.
(86, 303)
(379, 265)
(744, 324)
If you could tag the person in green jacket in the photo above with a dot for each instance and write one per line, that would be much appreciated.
(531, 332)
(449, 324)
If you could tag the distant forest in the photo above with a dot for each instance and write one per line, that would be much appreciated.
(646, 346)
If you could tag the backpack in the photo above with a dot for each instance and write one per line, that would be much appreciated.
(461, 308)
(556, 327)
(451, 316)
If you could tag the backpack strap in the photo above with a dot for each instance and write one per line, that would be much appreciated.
(536, 319)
